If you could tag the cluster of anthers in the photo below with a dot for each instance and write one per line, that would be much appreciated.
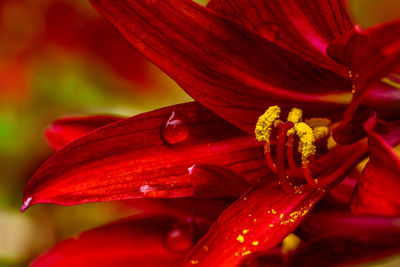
(294, 132)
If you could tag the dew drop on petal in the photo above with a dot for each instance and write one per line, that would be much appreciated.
(180, 238)
(175, 129)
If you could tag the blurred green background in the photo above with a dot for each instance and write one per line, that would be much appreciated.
(59, 58)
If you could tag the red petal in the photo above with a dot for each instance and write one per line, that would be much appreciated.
(304, 27)
(256, 222)
(210, 181)
(341, 194)
(325, 220)
(141, 156)
(137, 241)
(378, 189)
(66, 130)
(230, 70)
(350, 249)
(370, 55)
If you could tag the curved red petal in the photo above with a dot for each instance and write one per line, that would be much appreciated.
(304, 27)
(371, 55)
(136, 241)
(230, 70)
(145, 156)
(66, 130)
(378, 189)
(258, 221)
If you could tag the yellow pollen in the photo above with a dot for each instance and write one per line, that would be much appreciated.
(246, 253)
(307, 139)
(315, 122)
(194, 262)
(255, 243)
(320, 132)
(265, 123)
(245, 231)
(240, 238)
(295, 115)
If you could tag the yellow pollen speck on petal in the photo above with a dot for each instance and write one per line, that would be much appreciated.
(307, 139)
(194, 262)
(255, 243)
(271, 225)
(281, 216)
(273, 211)
(240, 238)
(237, 254)
(245, 231)
(265, 123)
(246, 253)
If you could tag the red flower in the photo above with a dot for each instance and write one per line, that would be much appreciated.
(237, 59)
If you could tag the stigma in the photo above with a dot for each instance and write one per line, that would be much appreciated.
(290, 134)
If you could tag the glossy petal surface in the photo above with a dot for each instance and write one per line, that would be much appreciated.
(227, 68)
(138, 157)
(66, 130)
(136, 241)
(304, 27)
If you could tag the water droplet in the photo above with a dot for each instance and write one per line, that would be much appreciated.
(175, 129)
(181, 237)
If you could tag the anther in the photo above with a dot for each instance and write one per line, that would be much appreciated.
(307, 132)
(266, 122)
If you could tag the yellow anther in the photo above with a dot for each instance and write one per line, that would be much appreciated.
(320, 132)
(316, 122)
(307, 139)
(265, 123)
(295, 115)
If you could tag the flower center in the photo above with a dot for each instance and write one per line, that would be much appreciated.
(297, 176)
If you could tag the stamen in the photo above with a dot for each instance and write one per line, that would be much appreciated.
(265, 123)
(270, 162)
(290, 156)
(294, 116)
(307, 139)
(307, 173)
(314, 129)
(320, 132)
(280, 156)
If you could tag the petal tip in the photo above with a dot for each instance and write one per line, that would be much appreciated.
(26, 204)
